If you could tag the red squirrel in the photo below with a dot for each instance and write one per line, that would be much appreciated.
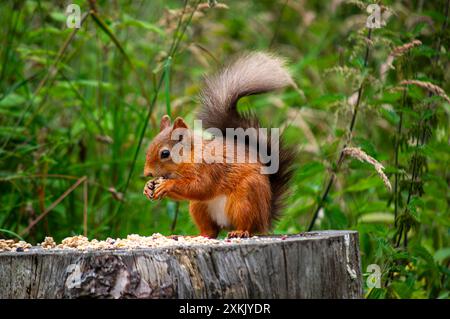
(223, 195)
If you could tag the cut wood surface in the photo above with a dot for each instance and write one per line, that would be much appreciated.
(323, 264)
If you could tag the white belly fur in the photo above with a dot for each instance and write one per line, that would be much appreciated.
(216, 209)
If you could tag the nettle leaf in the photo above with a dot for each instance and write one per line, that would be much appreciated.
(403, 289)
(301, 207)
(424, 51)
(130, 21)
(364, 184)
(305, 190)
(12, 131)
(392, 170)
(45, 32)
(387, 218)
(399, 255)
(383, 248)
(329, 150)
(85, 83)
(371, 207)
(416, 92)
(413, 205)
(389, 114)
(366, 145)
(327, 99)
(335, 217)
(308, 170)
(418, 28)
(413, 114)
(389, 97)
(377, 293)
(423, 253)
(442, 255)
(12, 99)
(58, 16)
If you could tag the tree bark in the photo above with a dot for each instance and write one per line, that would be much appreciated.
(322, 264)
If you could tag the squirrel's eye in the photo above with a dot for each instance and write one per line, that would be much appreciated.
(165, 154)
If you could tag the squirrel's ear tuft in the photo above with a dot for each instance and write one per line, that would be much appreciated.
(165, 122)
(179, 123)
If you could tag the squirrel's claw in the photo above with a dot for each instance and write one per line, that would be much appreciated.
(149, 189)
(153, 189)
(159, 193)
(238, 234)
(162, 187)
(148, 193)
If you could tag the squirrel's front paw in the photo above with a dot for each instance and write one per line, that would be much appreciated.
(148, 189)
(150, 186)
(162, 187)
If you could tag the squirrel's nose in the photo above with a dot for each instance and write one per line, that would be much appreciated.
(148, 173)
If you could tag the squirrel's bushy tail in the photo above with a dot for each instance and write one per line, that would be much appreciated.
(249, 74)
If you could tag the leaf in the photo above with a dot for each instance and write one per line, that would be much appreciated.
(418, 28)
(327, 99)
(9, 232)
(46, 31)
(12, 131)
(309, 170)
(12, 99)
(377, 218)
(423, 253)
(390, 115)
(366, 145)
(376, 293)
(442, 255)
(58, 16)
(425, 51)
(371, 207)
(336, 218)
(86, 83)
(11, 112)
(364, 184)
(128, 20)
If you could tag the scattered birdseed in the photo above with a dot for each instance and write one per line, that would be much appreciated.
(48, 243)
(11, 245)
(132, 241)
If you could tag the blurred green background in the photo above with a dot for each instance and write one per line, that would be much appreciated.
(74, 104)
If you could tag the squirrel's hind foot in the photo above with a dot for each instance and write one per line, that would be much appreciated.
(238, 234)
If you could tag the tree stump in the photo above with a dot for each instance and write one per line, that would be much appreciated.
(323, 264)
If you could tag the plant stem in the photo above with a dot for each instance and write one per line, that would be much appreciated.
(349, 137)
(85, 207)
(14, 18)
(174, 222)
(53, 205)
(421, 137)
(277, 25)
(405, 63)
(397, 147)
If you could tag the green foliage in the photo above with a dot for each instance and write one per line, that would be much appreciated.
(86, 102)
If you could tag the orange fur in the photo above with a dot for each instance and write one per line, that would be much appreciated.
(247, 191)
(225, 195)
(205, 224)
